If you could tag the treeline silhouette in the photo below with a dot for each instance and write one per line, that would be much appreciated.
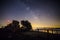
(14, 31)
(15, 27)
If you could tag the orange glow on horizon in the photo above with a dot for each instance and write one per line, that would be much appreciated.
(35, 25)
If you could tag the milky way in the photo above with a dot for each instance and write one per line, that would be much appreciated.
(39, 13)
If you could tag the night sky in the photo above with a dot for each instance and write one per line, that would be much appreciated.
(40, 13)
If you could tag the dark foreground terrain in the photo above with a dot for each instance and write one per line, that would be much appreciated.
(14, 32)
(30, 35)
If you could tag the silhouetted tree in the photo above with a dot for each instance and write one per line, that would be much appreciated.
(11, 30)
(26, 25)
(14, 26)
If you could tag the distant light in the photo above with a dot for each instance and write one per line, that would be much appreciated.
(8, 20)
